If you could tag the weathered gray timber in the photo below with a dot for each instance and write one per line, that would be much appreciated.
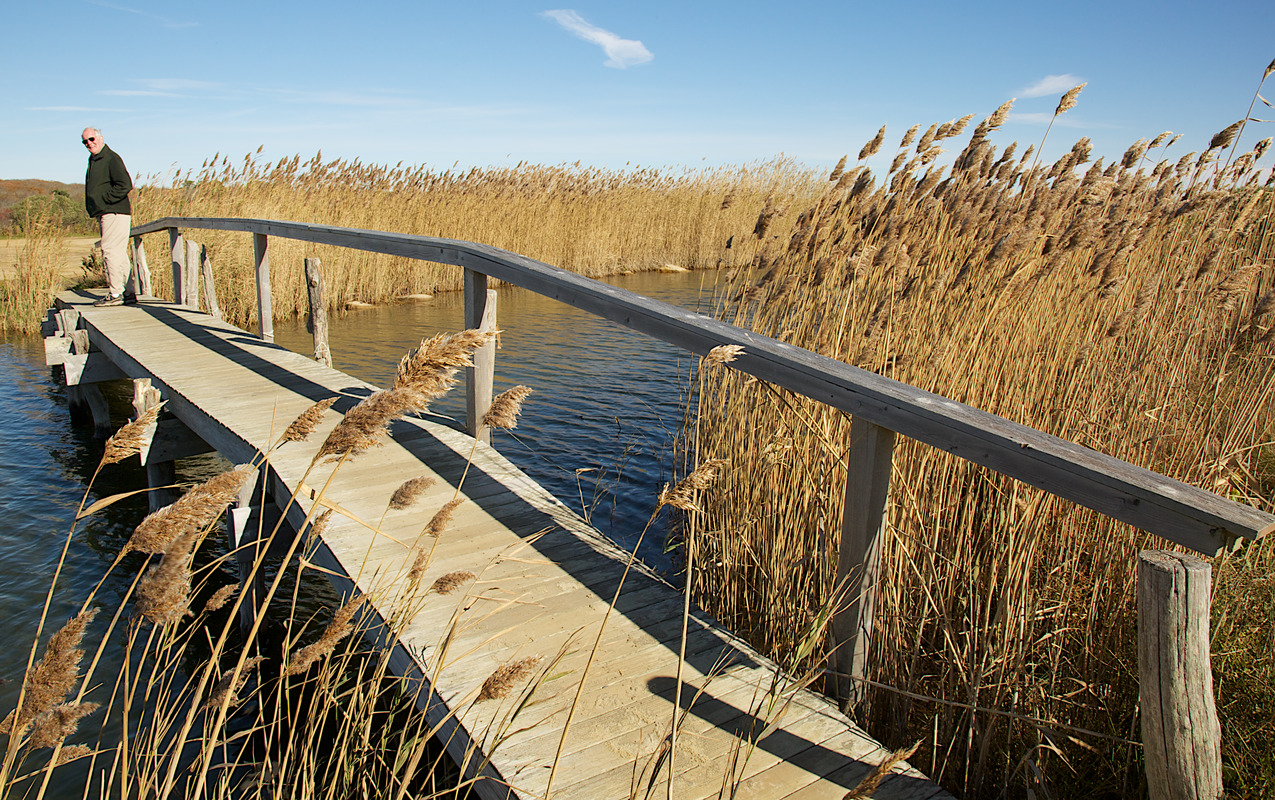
(543, 582)
(1181, 736)
(318, 311)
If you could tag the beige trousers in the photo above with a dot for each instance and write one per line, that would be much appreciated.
(115, 229)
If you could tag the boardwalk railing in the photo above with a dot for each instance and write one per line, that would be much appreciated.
(881, 407)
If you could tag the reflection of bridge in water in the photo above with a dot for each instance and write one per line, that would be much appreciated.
(544, 578)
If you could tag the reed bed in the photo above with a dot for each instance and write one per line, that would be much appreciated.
(591, 221)
(25, 298)
(1126, 306)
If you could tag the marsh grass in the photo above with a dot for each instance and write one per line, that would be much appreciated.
(25, 297)
(591, 221)
(1123, 306)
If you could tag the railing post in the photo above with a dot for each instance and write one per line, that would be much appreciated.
(190, 289)
(859, 557)
(265, 316)
(480, 313)
(178, 250)
(318, 311)
(1181, 735)
(141, 272)
(160, 475)
(210, 289)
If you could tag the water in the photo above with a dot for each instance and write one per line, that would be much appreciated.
(597, 432)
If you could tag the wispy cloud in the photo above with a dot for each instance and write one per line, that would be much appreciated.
(137, 93)
(167, 22)
(73, 108)
(1051, 84)
(621, 53)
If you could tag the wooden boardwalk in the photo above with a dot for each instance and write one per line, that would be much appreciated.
(543, 580)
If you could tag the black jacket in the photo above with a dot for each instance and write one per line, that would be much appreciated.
(106, 184)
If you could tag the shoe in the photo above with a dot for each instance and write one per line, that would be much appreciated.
(108, 300)
(130, 299)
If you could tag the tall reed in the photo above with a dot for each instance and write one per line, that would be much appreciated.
(25, 297)
(584, 219)
(1125, 307)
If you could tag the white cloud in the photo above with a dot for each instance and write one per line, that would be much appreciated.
(72, 108)
(167, 22)
(1051, 84)
(621, 53)
(137, 93)
(176, 84)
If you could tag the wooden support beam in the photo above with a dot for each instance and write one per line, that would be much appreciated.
(265, 314)
(173, 441)
(859, 557)
(318, 311)
(178, 250)
(141, 272)
(480, 313)
(88, 368)
(190, 288)
(1181, 735)
(160, 475)
(210, 289)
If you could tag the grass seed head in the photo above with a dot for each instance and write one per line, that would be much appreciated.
(439, 522)
(192, 511)
(1068, 101)
(304, 425)
(451, 581)
(871, 148)
(130, 439)
(407, 494)
(340, 627)
(506, 676)
(506, 407)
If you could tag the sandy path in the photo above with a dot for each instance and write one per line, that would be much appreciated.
(76, 248)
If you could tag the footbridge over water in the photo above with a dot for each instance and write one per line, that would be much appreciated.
(545, 578)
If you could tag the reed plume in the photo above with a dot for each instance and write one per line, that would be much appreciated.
(442, 518)
(506, 407)
(163, 593)
(682, 495)
(131, 438)
(1068, 100)
(407, 494)
(192, 511)
(451, 581)
(723, 354)
(304, 425)
(52, 678)
(873, 145)
(231, 683)
(506, 677)
(52, 727)
(340, 627)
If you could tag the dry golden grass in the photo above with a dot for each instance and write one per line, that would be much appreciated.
(1123, 306)
(591, 221)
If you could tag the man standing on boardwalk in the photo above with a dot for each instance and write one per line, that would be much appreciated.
(106, 188)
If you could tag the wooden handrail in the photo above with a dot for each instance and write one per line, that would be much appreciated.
(1179, 512)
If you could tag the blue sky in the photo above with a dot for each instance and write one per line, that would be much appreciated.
(662, 83)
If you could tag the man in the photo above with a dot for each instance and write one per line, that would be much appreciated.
(106, 188)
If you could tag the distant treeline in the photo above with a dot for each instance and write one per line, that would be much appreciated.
(25, 200)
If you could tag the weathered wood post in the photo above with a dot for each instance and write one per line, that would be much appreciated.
(178, 250)
(318, 311)
(190, 289)
(480, 313)
(245, 524)
(1181, 735)
(141, 272)
(265, 315)
(859, 557)
(160, 475)
(210, 289)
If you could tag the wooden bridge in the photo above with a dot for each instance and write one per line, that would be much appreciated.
(543, 579)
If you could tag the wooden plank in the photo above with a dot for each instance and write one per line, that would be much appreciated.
(859, 557)
(1174, 510)
(480, 314)
(318, 311)
(1181, 735)
(265, 312)
(210, 288)
(178, 250)
(190, 285)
